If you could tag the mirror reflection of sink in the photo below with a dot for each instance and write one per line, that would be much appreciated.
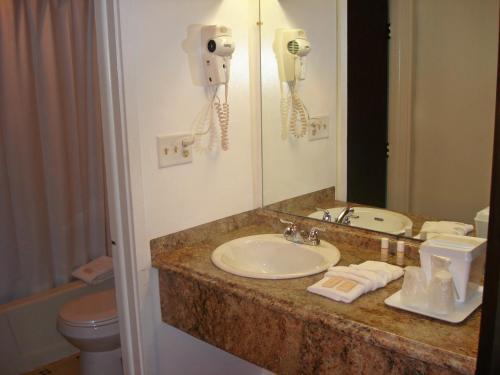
(270, 256)
(373, 218)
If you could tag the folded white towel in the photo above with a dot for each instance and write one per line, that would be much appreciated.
(446, 227)
(368, 283)
(384, 275)
(345, 284)
(382, 267)
(368, 278)
(96, 271)
(338, 289)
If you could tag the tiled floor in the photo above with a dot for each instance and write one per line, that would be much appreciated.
(66, 366)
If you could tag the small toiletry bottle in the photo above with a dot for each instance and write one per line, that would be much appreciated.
(384, 249)
(400, 253)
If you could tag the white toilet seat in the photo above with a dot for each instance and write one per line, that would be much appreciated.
(93, 310)
(95, 324)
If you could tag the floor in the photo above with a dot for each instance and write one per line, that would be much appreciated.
(66, 366)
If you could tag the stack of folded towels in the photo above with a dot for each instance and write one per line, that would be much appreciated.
(95, 272)
(345, 284)
(435, 228)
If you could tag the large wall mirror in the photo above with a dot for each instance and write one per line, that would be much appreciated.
(387, 126)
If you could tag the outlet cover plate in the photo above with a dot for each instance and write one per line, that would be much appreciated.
(172, 152)
(319, 128)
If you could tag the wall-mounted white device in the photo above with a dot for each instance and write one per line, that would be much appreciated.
(291, 47)
(217, 47)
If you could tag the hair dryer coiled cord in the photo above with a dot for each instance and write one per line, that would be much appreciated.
(299, 112)
(284, 110)
(206, 118)
(223, 115)
(292, 110)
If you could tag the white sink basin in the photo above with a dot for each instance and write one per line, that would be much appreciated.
(373, 218)
(270, 256)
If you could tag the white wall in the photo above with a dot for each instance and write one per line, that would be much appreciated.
(164, 100)
(298, 166)
(160, 98)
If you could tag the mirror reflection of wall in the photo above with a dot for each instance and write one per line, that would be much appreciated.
(440, 110)
(448, 137)
(296, 165)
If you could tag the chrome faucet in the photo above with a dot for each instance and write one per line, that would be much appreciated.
(293, 234)
(344, 216)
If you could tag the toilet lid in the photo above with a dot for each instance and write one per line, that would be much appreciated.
(93, 309)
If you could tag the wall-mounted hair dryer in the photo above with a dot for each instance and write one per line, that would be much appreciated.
(217, 48)
(291, 46)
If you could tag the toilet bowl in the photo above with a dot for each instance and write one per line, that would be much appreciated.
(91, 324)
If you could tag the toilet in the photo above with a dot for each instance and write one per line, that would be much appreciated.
(91, 324)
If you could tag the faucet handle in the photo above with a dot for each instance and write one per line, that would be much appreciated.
(327, 216)
(291, 229)
(315, 230)
(314, 235)
(349, 214)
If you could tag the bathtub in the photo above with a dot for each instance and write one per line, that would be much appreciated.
(28, 335)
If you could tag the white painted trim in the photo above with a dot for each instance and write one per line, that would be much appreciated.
(341, 178)
(118, 184)
(400, 105)
(256, 106)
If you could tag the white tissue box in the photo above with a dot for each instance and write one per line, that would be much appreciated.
(467, 260)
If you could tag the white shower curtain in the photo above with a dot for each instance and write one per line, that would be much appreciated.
(52, 187)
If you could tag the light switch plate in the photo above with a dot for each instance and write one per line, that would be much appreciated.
(172, 152)
(319, 128)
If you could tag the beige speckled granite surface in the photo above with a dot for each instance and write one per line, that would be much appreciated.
(305, 204)
(278, 325)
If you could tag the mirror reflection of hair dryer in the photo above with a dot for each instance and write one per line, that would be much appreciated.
(217, 47)
(291, 47)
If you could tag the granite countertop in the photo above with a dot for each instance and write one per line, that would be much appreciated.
(219, 307)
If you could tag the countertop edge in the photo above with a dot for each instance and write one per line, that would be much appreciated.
(383, 339)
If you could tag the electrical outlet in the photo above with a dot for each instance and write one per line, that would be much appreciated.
(319, 128)
(171, 151)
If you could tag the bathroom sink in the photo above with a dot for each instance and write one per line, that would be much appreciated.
(270, 256)
(372, 218)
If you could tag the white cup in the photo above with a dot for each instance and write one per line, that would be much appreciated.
(441, 298)
(414, 291)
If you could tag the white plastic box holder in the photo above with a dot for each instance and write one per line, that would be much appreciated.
(467, 260)
(481, 220)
